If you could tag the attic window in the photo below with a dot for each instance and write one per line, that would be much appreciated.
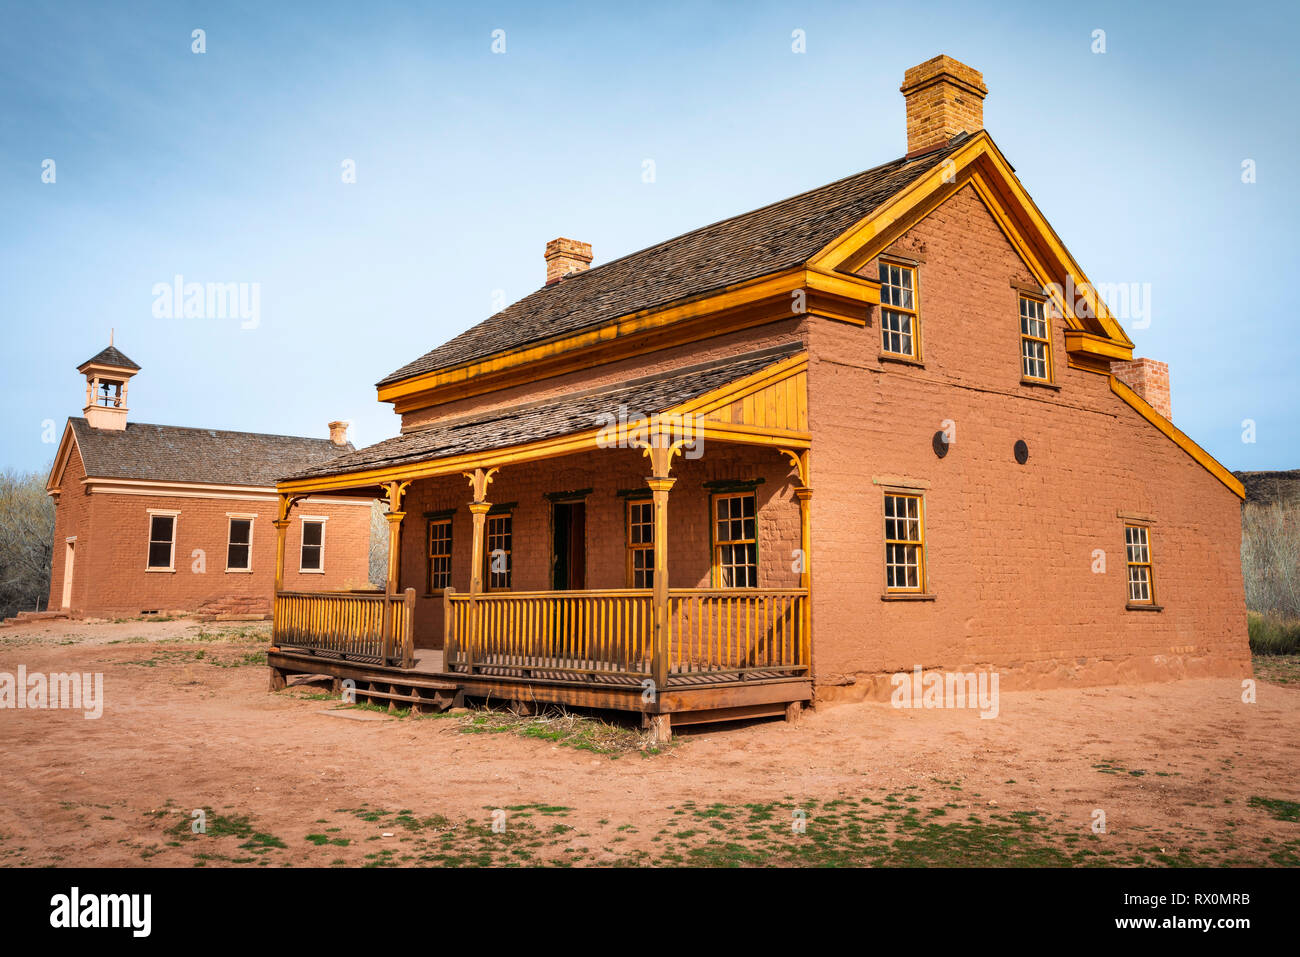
(1035, 345)
(898, 311)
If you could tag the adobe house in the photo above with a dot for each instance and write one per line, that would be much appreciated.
(162, 518)
(881, 424)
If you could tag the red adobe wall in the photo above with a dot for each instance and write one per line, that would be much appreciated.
(606, 472)
(1010, 547)
(109, 577)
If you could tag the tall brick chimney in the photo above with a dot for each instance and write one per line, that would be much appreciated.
(564, 256)
(1149, 379)
(339, 433)
(944, 97)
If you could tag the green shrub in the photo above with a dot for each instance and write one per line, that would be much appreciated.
(1272, 635)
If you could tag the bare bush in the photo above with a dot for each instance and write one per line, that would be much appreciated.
(26, 542)
(1270, 559)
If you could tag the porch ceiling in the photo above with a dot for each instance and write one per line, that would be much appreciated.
(757, 398)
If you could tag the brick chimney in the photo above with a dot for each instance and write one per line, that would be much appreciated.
(564, 256)
(1149, 379)
(944, 97)
(339, 433)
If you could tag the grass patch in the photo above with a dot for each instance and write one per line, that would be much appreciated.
(1277, 808)
(1278, 669)
(582, 732)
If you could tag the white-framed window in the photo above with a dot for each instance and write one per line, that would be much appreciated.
(1137, 556)
(161, 556)
(311, 553)
(904, 542)
(239, 543)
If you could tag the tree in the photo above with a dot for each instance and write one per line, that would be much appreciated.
(26, 542)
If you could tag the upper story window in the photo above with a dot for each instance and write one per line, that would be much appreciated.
(313, 545)
(898, 310)
(500, 542)
(162, 541)
(641, 544)
(1035, 342)
(904, 543)
(735, 540)
(439, 554)
(239, 547)
(1137, 555)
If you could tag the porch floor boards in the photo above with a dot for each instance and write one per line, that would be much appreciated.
(690, 696)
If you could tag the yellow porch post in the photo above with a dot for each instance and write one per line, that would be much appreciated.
(393, 491)
(802, 464)
(660, 484)
(479, 481)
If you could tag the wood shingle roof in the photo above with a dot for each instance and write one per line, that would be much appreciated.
(171, 453)
(780, 236)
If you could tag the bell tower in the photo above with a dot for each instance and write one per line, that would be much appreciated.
(107, 375)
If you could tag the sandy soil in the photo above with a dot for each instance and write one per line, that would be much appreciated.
(1184, 771)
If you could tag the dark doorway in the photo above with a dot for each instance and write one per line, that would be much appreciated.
(569, 521)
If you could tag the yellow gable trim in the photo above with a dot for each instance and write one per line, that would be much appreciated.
(1203, 458)
(979, 164)
(757, 428)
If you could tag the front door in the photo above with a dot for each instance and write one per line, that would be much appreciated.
(569, 521)
(69, 553)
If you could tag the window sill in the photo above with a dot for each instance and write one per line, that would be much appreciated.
(901, 360)
(239, 571)
(311, 571)
(1041, 383)
(1143, 606)
(908, 596)
(162, 571)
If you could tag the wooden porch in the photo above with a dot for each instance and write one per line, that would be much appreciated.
(726, 654)
(674, 655)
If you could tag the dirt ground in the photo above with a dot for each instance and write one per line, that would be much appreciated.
(1184, 773)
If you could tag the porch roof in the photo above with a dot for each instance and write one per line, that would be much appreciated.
(566, 415)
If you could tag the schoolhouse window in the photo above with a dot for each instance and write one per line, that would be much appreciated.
(904, 543)
(1137, 548)
(162, 541)
(439, 553)
(1035, 345)
(313, 546)
(735, 540)
(239, 549)
(898, 309)
(500, 543)
(641, 544)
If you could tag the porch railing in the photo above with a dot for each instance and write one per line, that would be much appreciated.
(368, 627)
(589, 635)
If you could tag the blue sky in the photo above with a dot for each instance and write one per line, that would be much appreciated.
(226, 166)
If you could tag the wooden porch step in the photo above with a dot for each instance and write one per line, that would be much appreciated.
(441, 699)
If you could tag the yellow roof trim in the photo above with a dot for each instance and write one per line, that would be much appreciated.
(1203, 458)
